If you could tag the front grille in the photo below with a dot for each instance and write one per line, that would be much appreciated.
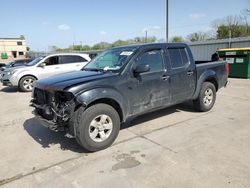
(45, 99)
(40, 96)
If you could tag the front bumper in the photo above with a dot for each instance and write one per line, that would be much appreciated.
(8, 80)
(47, 123)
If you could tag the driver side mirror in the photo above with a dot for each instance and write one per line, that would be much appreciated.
(42, 65)
(141, 69)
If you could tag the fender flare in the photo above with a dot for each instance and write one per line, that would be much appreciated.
(207, 75)
(92, 95)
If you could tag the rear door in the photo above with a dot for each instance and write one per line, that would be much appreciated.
(182, 75)
(71, 62)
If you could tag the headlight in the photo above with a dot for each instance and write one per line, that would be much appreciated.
(12, 72)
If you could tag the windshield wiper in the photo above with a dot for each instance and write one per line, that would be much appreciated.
(93, 69)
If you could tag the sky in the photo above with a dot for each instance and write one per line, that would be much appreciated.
(63, 22)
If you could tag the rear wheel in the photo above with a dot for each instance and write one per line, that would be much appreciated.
(26, 83)
(207, 97)
(97, 127)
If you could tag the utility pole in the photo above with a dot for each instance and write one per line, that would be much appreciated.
(230, 38)
(167, 14)
(146, 36)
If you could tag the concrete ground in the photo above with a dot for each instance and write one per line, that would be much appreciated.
(175, 147)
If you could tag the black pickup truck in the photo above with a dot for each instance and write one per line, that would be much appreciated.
(122, 82)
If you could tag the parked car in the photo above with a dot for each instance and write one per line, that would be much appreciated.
(122, 82)
(2, 65)
(15, 63)
(43, 67)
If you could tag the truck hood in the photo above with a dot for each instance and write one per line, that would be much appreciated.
(66, 80)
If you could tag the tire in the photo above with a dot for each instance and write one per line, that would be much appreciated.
(206, 98)
(26, 83)
(93, 125)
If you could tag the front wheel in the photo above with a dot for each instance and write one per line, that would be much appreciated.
(207, 97)
(97, 127)
(26, 83)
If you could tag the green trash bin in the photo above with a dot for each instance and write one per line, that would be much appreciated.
(4, 56)
(238, 60)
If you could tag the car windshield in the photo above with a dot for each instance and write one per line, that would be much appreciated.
(35, 61)
(111, 60)
(9, 64)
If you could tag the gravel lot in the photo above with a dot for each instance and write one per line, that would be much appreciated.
(175, 147)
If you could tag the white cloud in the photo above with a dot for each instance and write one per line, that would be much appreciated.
(63, 27)
(102, 32)
(196, 16)
(156, 27)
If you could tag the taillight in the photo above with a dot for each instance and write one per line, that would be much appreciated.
(227, 68)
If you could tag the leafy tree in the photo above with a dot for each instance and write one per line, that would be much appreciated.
(120, 43)
(197, 36)
(177, 39)
(233, 26)
(101, 46)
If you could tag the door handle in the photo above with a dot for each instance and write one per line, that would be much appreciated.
(165, 77)
(190, 73)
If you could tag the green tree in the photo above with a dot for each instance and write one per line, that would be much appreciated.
(197, 36)
(177, 39)
(233, 26)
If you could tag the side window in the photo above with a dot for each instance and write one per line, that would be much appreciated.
(178, 57)
(152, 58)
(51, 61)
(80, 59)
(184, 56)
(71, 59)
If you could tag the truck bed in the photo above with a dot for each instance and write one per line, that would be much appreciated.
(216, 67)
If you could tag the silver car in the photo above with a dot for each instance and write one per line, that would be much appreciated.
(43, 67)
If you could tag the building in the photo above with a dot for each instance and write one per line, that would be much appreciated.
(13, 48)
(202, 50)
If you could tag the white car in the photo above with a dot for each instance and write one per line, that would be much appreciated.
(43, 67)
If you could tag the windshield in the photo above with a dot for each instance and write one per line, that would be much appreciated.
(9, 64)
(112, 59)
(35, 61)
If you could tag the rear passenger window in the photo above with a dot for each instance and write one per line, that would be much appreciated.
(80, 59)
(71, 59)
(184, 56)
(178, 57)
(153, 59)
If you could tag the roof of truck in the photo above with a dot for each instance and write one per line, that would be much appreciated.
(152, 44)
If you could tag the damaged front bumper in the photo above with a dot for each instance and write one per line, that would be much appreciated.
(52, 110)
(47, 123)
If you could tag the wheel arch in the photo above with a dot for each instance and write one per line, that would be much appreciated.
(110, 102)
(107, 96)
(207, 76)
(25, 76)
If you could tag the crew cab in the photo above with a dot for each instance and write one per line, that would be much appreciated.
(42, 67)
(123, 82)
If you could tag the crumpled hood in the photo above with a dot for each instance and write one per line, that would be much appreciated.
(62, 81)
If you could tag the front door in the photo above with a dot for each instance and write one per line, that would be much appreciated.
(151, 89)
(52, 67)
